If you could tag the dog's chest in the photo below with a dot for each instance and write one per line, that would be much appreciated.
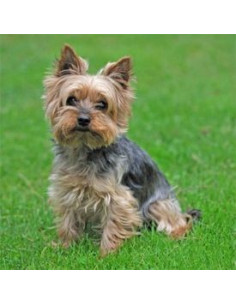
(83, 184)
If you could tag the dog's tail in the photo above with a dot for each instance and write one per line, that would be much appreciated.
(195, 214)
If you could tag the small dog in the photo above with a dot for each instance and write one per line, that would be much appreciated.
(99, 176)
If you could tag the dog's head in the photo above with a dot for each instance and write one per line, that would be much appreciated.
(85, 109)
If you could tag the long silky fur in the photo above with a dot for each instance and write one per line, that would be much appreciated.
(99, 176)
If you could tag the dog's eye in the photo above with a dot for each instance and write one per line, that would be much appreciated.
(101, 105)
(71, 101)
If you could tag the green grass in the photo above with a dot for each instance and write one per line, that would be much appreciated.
(184, 116)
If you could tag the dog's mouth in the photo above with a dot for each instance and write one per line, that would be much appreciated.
(86, 129)
(81, 128)
(84, 135)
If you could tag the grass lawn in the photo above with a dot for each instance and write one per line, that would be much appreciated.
(184, 116)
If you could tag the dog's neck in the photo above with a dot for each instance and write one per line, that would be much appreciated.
(83, 152)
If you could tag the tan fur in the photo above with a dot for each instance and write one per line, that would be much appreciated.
(181, 231)
(123, 220)
(77, 64)
(77, 193)
(89, 89)
(169, 218)
(79, 197)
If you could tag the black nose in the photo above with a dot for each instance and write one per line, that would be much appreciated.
(84, 120)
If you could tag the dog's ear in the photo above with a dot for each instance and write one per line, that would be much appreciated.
(70, 63)
(120, 71)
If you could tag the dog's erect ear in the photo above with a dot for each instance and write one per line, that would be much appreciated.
(120, 71)
(70, 63)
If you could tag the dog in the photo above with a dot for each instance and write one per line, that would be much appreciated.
(99, 176)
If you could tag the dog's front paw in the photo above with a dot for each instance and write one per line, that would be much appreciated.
(106, 251)
(64, 244)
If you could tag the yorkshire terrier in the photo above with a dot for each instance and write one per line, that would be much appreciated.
(99, 176)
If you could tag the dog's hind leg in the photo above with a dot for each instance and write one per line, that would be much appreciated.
(167, 216)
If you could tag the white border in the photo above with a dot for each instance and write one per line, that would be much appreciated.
(123, 16)
(117, 287)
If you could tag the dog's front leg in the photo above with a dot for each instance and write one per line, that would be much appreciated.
(67, 227)
(122, 221)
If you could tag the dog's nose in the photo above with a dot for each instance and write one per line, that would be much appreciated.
(83, 120)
